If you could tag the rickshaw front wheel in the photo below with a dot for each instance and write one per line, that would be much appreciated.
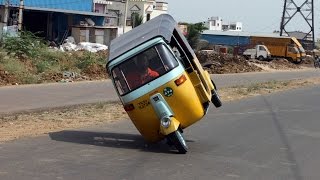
(178, 141)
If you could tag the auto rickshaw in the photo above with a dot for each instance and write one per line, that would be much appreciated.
(160, 81)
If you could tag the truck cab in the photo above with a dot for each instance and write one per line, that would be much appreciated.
(300, 53)
(293, 53)
(260, 52)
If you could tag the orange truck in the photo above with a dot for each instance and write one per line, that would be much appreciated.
(284, 47)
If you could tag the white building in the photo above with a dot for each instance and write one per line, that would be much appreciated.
(147, 9)
(217, 24)
(214, 23)
(235, 26)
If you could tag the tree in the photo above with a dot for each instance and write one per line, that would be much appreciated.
(136, 19)
(194, 33)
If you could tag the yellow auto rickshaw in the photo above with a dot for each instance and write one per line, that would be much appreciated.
(160, 81)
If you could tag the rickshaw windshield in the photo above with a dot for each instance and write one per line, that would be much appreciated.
(143, 68)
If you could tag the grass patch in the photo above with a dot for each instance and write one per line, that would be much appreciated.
(28, 60)
(254, 89)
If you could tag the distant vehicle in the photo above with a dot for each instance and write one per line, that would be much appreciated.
(259, 52)
(285, 47)
(279, 46)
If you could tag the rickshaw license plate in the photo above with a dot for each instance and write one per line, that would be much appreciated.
(143, 104)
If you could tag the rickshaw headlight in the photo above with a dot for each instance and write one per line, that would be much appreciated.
(165, 121)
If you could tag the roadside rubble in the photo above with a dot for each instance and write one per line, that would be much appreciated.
(87, 46)
(224, 63)
(220, 63)
(70, 45)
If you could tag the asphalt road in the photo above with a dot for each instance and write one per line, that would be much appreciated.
(30, 97)
(267, 138)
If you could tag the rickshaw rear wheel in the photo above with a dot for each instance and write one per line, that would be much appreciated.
(215, 99)
(178, 141)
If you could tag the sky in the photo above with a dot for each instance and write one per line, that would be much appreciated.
(256, 15)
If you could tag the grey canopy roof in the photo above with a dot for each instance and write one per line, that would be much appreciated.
(160, 26)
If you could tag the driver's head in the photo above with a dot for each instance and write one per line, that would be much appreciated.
(143, 63)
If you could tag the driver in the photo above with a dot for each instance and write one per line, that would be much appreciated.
(146, 73)
(139, 72)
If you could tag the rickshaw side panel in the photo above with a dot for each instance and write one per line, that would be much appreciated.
(184, 102)
(207, 86)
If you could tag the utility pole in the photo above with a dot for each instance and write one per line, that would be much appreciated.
(21, 6)
(6, 12)
(125, 16)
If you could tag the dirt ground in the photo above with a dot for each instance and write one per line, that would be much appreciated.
(36, 123)
(30, 124)
(224, 63)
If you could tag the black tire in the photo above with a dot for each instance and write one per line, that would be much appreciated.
(214, 85)
(297, 61)
(261, 58)
(178, 141)
(215, 99)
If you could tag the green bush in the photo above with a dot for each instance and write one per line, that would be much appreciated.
(14, 66)
(29, 78)
(42, 66)
(26, 45)
(86, 60)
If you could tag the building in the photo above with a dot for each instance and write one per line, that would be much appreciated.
(147, 9)
(54, 21)
(235, 26)
(217, 24)
(89, 20)
(214, 24)
(226, 38)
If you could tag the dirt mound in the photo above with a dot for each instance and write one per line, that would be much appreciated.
(276, 64)
(96, 71)
(308, 61)
(52, 77)
(6, 78)
(223, 63)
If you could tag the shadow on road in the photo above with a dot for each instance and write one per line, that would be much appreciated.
(284, 139)
(113, 140)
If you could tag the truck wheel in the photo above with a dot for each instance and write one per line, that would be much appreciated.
(178, 141)
(261, 58)
(297, 61)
